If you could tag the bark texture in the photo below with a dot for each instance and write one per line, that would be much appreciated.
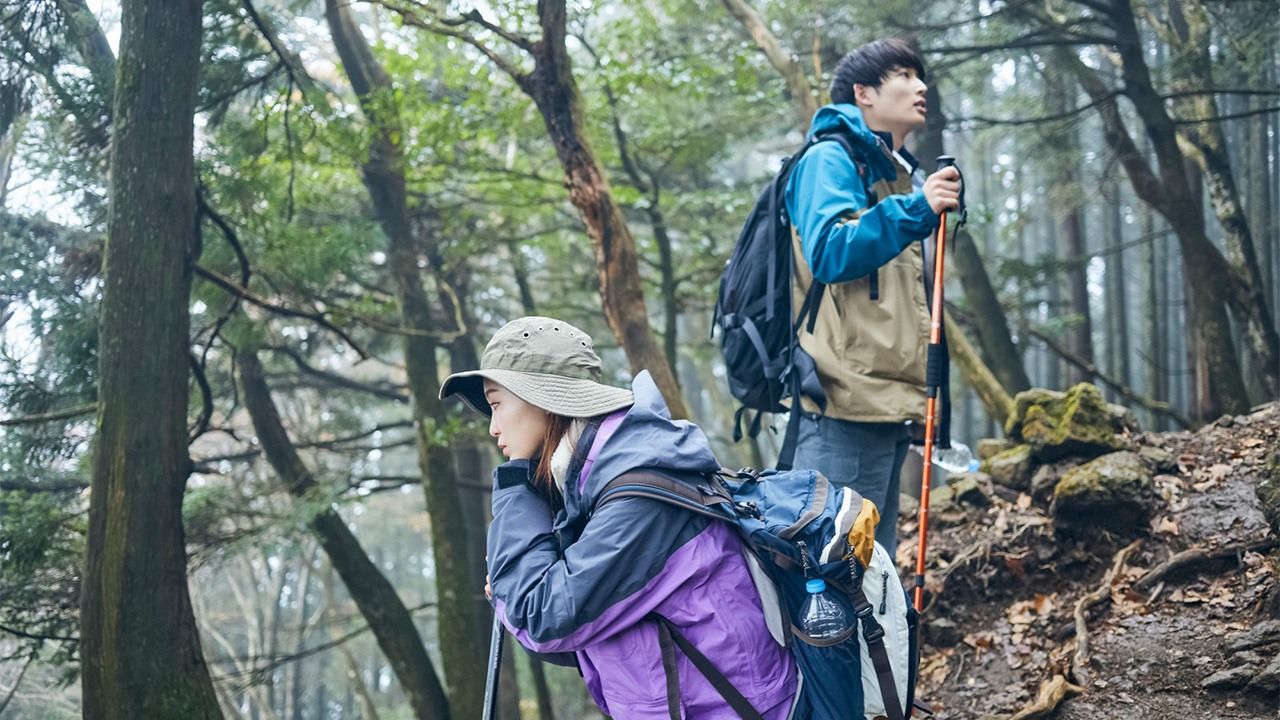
(139, 649)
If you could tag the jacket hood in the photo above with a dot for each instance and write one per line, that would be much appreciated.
(647, 437)
(849, 117)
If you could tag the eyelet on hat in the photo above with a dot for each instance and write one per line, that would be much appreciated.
(557, 328)
(526, 334)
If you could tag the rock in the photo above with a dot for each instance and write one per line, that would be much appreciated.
(1046, 478)
(990, 447)
(1263, 633)
(1011, 468)
(942, 633)
(1055, 424)
(1122, 418)
(1113, 491)
(1269, 491)
(1269, 678)
(1232, 679)
(971, 488)
(909, 506)
(1158, 459)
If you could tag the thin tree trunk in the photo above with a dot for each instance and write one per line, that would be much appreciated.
(461, 629)
(139, 647)
(1117, 302)
(381, 607)
(1068, 201)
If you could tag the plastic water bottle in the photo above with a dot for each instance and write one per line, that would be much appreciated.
(821, 617)
(955, 459)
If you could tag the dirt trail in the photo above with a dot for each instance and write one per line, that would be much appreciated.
(1005, 583)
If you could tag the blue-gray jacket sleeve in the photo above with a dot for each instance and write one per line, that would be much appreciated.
(842, 240)
(554, 603)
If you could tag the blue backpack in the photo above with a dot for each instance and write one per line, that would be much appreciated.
(786, 520)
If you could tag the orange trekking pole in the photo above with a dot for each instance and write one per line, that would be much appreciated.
(933, 381)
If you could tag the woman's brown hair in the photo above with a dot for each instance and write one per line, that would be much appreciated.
(557, 427)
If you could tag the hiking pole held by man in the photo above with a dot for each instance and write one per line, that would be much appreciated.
(933, 377)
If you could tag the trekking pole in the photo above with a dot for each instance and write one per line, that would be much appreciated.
(491, 677)
(933, 380)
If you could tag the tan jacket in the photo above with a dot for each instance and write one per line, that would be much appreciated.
(870, 354)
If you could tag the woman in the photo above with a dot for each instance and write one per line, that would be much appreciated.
(565, 580)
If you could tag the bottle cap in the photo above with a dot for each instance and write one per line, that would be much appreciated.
(815, 586)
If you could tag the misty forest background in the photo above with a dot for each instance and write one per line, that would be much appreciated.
(320, 208)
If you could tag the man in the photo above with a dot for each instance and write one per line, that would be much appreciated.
(858, 226)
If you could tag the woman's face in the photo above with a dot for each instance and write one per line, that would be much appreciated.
(517, 426)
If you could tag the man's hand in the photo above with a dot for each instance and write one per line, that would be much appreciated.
(942, 190)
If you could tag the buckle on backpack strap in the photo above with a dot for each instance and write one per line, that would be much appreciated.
(871, 630)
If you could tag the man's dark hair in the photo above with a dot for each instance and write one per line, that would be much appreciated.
(870, 64)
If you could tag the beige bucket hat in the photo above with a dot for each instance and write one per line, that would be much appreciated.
(547, 363)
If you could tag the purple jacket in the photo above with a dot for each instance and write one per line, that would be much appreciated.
(635, 558)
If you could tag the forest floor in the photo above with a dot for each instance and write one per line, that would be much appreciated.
(1005, 584)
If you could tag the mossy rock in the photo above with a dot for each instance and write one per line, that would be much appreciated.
(1056, 425)
(1011, 468)
(1113, 491)
(970, 488)
(1269, 491)
(990, 447)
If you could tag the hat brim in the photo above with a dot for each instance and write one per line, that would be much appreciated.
(570, 397)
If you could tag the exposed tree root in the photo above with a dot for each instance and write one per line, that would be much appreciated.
(1052, 694)
(1079, 664)
(1199, 556)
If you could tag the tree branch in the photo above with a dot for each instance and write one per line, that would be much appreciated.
(783, 61)
(50, 416)
(231, 287)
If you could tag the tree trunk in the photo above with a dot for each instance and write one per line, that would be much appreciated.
(1208, 147)
(1170, 194)
(461, 628)
(139, 649)
(377, 600)
(554, 91)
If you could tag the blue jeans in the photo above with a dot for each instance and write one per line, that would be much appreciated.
(864, 456)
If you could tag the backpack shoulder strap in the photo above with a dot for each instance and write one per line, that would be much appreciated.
(707, 497)
(670, 638)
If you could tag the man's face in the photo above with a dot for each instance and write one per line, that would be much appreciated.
(897, 105)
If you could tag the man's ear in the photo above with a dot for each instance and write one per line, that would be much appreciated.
(863, 95)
